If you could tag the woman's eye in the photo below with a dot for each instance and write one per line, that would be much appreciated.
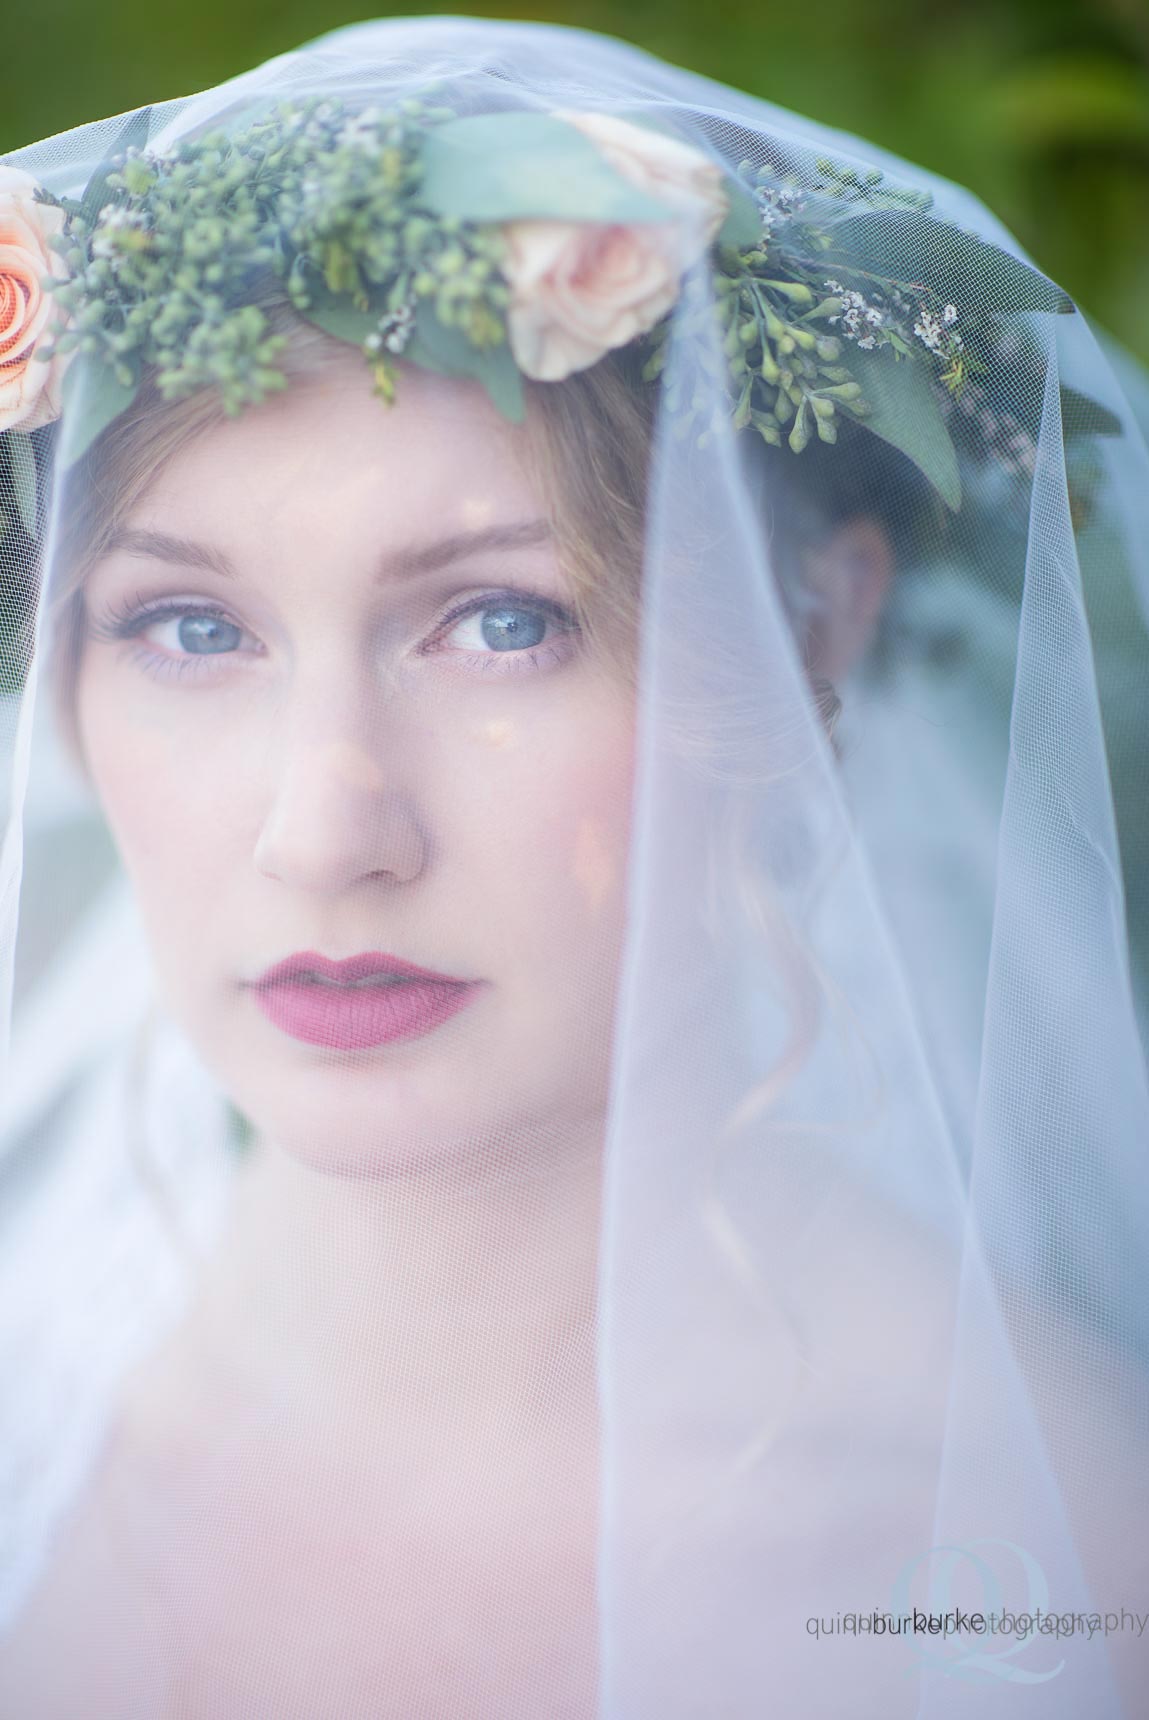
(502, 627)
(200, 634)
(510, 627)
(170, 638)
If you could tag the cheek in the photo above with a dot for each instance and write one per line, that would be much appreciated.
(554, 801)
(163, 797)
(591, 830)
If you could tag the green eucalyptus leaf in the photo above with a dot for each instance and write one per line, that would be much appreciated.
(1081, 415)
(448, 352)
(240, 1130)
(910, 248)
(338, 316)
(503, 381)
(525, 166)
(134, 135)
(905, 412)
(91, 397)
(1017, 385)
(22, 473)
(742, 227)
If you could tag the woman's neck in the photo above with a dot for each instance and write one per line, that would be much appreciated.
(423, 1301)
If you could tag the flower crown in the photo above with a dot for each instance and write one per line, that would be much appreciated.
(505, 246)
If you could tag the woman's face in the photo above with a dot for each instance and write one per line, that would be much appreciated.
(334, 702)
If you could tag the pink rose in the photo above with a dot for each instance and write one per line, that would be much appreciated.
(29, 386)
(580, 288)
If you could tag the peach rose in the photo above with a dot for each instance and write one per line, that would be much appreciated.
(29, 386)
(580, 288)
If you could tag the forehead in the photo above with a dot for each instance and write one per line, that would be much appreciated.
(328, 459)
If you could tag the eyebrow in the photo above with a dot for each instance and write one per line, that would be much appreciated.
(406, 563)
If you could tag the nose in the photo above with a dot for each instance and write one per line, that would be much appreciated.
(337, 814)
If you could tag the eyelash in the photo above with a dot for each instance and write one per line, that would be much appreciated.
(127, 621)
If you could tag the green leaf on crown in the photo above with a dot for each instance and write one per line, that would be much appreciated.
(1016, 384)
(432, 346)
(134, 135)
(908, 248)
(448, 352)
(1081, 415)
(22, 475)
(336, 314)
(904, 411)
(742, 227)
(522, 167)
(91, 396)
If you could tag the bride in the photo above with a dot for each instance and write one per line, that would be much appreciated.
(602, 1181)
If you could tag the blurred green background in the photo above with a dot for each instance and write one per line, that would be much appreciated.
(1039, 106)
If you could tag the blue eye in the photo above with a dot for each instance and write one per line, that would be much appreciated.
(508, 626)
(504, 628)
(207, 635)
(194, 634)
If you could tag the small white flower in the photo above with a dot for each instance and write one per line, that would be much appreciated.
(766, 210)
(112, 221)
(113, 216)
(929, 330)
(394, 331)
(359, 129)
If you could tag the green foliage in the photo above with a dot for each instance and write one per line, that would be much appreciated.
(165, 254)
(19, 508)
(896, 245)
(240, 1131)
(518, 166)
(92, 395)
(886, 346)
(382, 226)
(1041, 107)
(97, 191)
(904, 412)
(21, 476)
(446, 350)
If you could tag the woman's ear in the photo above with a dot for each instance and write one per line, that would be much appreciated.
(850, 571)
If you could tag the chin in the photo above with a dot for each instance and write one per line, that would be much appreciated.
(349, 1115)
(353, 1123)
(446, 1098)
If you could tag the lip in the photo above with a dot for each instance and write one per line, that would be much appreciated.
(347, 1019)
(354, 967)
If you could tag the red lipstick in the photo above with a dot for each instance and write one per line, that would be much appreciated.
(367, 1000)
